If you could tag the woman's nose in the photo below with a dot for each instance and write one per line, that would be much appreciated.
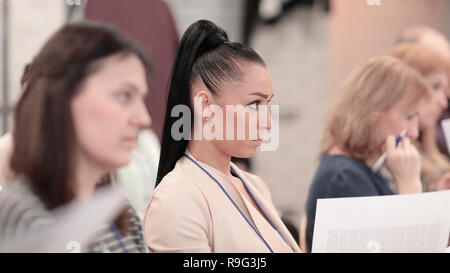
(265, 118)
(141, 117)
(443, 102)
(413, 131)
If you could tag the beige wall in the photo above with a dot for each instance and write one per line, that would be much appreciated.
(295, 51)
(1, 62)
(225, 13)
(359, 31)
(31, 24)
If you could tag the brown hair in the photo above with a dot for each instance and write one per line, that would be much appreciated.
(427, 62)
(43, 135)
(368, 91)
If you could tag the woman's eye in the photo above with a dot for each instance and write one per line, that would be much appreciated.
(410, 117)
(254, 105)
(124, 96)
(436, 86)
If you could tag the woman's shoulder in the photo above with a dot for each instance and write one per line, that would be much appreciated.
(179, 197)
(21, 211)
(331, 165)
(18, 192)
(176, 187)
(177, 179)
(340, 175)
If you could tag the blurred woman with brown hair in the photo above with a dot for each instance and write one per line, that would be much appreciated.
(77, 120)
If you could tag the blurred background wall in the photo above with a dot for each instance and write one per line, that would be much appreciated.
(309, 47)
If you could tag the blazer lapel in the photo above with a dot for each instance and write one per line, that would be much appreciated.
(226, 184)
(269, 211)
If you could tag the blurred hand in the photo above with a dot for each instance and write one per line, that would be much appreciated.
(444, 182)
(403, 162)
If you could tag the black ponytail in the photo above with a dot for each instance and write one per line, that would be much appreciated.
(205, 53)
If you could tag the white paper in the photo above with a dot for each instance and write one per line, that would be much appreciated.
(393, 223)
(445, 123)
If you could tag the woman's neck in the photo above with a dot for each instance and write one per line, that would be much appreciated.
(86, 178)
(206, 152)
(428, 140)
(371, 159)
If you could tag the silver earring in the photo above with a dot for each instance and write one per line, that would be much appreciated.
(207, 114)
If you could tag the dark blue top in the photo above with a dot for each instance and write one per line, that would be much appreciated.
(342, 176)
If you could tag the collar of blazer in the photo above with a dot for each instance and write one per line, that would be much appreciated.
(262, 201)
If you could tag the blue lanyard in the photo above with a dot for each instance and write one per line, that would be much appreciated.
(251, 195)
(118, 237)
(237, 207)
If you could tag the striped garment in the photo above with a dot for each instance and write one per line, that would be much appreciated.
(21, 213)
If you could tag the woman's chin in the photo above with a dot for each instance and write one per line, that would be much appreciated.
(246, 152)
(428, 125)
(120, 162)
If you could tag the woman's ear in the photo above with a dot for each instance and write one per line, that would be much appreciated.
(205, 97)
(202, 102)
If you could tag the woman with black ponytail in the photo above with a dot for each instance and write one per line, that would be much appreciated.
(203, 202)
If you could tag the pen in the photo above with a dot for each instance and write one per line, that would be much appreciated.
(380, 161)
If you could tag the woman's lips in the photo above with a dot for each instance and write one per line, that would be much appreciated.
(257, 141)
(130, 141)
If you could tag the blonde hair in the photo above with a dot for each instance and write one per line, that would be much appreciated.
(433, 162)
(421, 57)
(368, 91)
(427, 62)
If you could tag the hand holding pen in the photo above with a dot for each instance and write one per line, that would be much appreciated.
(403, 162)
(380, 161)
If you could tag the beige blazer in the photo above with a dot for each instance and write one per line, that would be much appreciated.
(188, 212)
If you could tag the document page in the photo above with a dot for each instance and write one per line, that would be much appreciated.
(393, 223)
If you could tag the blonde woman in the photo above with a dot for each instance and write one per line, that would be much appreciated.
(376, 103)
(435, 69)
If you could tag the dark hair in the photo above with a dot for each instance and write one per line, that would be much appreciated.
(44, 134)
(205, 53)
